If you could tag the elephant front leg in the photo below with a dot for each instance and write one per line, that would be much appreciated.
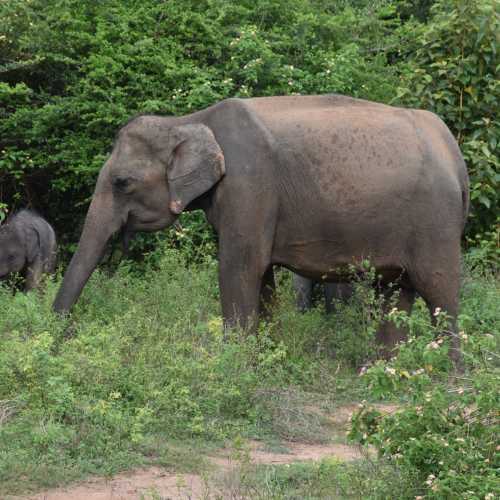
(240, 285)
(34, 273)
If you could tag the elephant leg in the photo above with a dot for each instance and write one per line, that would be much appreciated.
(439, 286)
(336, 291)
(388, 334)
(34, 273)
(267, 291)
(241, 281)
(303, 288)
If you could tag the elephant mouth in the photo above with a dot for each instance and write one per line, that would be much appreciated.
(148, 225)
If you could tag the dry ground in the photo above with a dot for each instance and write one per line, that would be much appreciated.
(161, 484)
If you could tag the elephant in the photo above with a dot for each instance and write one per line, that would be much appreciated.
(304, 289)
(28, 245)
(316, 184)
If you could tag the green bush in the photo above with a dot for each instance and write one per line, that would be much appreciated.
(142, 363)
(453, 72)
(443, 438)
(72, 72)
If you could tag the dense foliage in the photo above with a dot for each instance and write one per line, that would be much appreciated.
(72, 71)
(142, 364)
(444, 439)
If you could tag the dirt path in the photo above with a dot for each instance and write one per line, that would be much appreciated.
(155, 483)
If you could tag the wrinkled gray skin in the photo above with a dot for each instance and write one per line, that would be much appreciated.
(304, 293)
(27, 245)
(313, 183)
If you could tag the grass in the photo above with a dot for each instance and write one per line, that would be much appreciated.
(140, 374)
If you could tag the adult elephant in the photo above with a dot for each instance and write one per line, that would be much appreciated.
(313, 183)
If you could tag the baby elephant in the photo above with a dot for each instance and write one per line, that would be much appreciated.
(28, 245)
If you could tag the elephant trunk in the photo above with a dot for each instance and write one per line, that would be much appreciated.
(100, 224)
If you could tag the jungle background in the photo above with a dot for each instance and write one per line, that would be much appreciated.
(139, 374)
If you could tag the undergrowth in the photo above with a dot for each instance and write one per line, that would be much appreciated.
(141, 373)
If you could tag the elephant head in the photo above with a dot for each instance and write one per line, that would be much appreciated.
(12, 250)
(156, 169)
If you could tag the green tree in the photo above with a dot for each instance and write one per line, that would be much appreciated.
(454, 73)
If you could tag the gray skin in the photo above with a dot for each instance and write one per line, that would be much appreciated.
(312, 183)
(28, 246)
(332, 292)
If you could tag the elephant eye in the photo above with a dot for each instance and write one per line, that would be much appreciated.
(122, 183)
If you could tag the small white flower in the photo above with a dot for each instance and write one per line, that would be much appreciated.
(437, 311)
(390, 370)
(290, 82)
(432, 345)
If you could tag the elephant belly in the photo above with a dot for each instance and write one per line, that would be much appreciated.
(335, 261)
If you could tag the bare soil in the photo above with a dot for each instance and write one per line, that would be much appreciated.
(160, 484)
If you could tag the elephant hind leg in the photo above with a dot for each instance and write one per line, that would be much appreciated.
(303, 288)
(439, 286)
(388, 334)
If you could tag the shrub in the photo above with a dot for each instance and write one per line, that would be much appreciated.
(444, 437)
(453, 72)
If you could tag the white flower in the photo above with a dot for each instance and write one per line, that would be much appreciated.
(432, 345)
(437, 311)
(290, 82)
(390, 370)
(489, 496)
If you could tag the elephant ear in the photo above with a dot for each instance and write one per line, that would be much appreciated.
(196, 164)
(32, 242)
